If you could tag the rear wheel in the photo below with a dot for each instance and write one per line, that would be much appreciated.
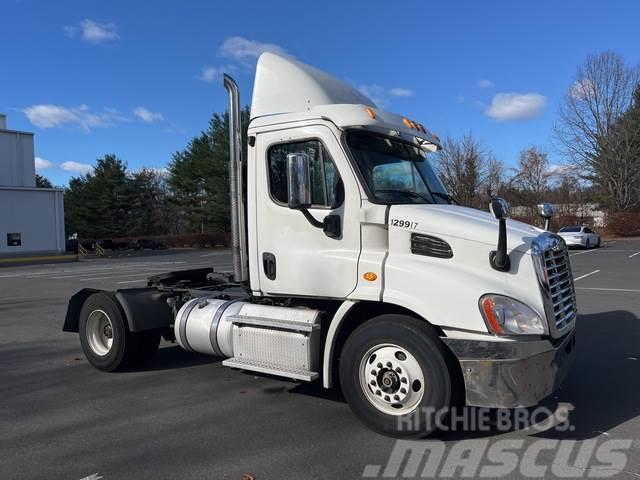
(598, 244)
(105, 337)
(395, 377)
(587, 244)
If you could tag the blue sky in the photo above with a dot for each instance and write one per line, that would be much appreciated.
(139, 79)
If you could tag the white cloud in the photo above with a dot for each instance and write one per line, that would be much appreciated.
(381, 96)
(244, 50)
(146, 115)
(51, 116)
(93, 32)
(401, 92)
(210, 74)
(460, 99)
(484, 83)
(76, 167)
(516, 106)
(43, 164)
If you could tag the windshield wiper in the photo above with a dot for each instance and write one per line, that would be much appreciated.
(411, 193)
(446, 196)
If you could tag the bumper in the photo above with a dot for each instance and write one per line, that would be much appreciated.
(574, 242)
(511, 374)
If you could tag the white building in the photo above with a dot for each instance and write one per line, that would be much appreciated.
(31, 219)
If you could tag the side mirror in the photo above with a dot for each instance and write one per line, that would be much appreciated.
(299, 181)
(499, 258)
(546, 210)
(500, 208)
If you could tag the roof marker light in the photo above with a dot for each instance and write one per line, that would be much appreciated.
(408, 123)
(371, 112)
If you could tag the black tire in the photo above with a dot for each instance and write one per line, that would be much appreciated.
(598, 244)
(127, 349)
(417, 338)
(587, 245)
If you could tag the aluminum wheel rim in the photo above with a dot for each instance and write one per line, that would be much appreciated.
(99, 332)
(391, 379)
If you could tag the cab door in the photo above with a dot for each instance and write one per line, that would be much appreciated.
(295, 257)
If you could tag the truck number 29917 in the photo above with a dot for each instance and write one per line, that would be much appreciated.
(396, 222)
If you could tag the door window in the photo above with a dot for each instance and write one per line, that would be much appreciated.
(327, 190)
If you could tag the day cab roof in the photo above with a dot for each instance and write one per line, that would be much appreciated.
(288, 91)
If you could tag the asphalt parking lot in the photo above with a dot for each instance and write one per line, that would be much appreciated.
(187, 417)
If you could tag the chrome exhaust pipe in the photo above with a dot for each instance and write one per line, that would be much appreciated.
(238, 224)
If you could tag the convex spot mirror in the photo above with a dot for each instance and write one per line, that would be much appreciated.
(500, 208)
(546, 210)
(299, 181)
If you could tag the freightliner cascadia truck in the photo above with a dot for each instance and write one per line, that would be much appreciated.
(352, 265)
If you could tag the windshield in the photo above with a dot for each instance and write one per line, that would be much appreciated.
(395, 171)
(570, 229)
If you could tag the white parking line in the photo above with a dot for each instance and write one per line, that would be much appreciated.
(585, 275)
(633, 255)
(608, 289)
(120, 275)
(582, 253)
(132, 281)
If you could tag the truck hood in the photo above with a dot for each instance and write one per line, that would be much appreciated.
(464, 223)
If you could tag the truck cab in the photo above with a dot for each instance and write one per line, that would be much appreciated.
(353, 264)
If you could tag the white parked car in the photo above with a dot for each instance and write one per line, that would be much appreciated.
(580, 237)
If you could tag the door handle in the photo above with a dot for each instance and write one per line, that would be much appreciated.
(269, 265)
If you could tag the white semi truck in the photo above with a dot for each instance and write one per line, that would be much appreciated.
(352, 264)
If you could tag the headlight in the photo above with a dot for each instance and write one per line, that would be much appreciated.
(505, 316)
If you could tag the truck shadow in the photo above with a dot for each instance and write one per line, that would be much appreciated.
(602, 383)
(172, 357)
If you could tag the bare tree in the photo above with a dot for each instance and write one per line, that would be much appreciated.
(593, 105)
(468, 171)
(532, 176)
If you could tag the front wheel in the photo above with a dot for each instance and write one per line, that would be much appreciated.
(395, 376)
(105, 337)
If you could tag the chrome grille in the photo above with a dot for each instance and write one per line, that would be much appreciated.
(558, 280)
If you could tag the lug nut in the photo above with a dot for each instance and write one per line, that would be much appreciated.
(373, 372)
(396, 398)
(377, 392)
(403, 391)
(386, 397)
(403, 380)
(389, 364)
(379, 365)
(398, 370)
(373, 382)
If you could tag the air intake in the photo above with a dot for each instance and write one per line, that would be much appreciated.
(430, 246)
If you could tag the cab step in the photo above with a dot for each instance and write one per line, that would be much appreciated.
(261, 367)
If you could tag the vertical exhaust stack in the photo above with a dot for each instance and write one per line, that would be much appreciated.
(238, 225)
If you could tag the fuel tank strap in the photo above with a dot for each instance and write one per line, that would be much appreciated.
(213, 331)
(183, 325)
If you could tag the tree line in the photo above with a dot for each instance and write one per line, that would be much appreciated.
(190, 196)
(597, 132)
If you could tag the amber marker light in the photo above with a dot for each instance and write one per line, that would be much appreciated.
(371, 112)
(488, 308)
(408, 123)
(370, 276)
